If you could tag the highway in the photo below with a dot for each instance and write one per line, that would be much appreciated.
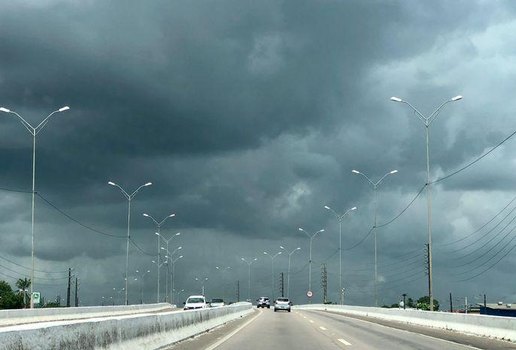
(266, 329)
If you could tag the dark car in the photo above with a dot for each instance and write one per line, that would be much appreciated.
(263, 302)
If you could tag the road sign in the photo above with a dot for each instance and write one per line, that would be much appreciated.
(36, 297)
(309, 294)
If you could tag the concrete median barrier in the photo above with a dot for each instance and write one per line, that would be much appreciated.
(481, 325)
(137, 331)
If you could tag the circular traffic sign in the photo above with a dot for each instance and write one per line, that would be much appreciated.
(309, 294)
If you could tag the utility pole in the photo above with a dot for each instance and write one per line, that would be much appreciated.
(76, 289)
(282, 288)
(238, 291)
(485, 301)
(69, 286)
(404, 301)
(324, 283)
(451, 303)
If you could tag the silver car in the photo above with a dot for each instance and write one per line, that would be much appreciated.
(282, 304)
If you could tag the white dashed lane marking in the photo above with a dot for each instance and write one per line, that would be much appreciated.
(344, 342)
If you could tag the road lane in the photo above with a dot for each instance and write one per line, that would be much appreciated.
(322, 330)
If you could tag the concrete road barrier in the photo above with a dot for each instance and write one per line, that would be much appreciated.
(481, 325)
(138, 331)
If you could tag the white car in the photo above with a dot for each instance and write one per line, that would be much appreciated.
(282, 304)
(195, 302)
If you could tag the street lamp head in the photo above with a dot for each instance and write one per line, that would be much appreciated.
(321, 230)
(265, 253)
(157, 233)
(300, 229)
(179, 248)
(279, 253)
(354, 208)
(396, 99)
(146, 215)
(162, 248)
(298, 248)
(171, 215)
(355, 171)
(255, 259)
(180, 257)
(327, 207)
(393, 172)
(242, 259)
(153, 261)
(111, 183)
(148, 184)
(62, 109)
(282, 247)
(456, 98)
(5, 110)
(177, 234)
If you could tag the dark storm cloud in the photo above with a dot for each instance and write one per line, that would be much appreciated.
(248, 118)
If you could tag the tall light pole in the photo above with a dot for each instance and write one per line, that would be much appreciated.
(169, 256)
(311, 236)
(223, 269)
(375, 187)
(129, 198)
(174, 275)
(158, 227)
(249, 263)
(202, 280)
(427, 121)
(272, 264)
(33, 131)
(288, 270)
(141, 283)
(166, 241)
(340, 217)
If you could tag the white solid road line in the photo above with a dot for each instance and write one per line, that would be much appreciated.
(322, 328)
(344, 342)
(217, 344)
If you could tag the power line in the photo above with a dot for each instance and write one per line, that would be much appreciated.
(403, 211)
(475, 161)
(77, 221)
(28, 268)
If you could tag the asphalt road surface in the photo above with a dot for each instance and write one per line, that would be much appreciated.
(266, 329)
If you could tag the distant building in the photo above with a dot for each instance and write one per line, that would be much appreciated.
(499, 309)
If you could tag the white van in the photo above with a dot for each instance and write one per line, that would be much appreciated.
(195, 302)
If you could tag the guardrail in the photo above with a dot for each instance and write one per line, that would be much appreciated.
(481, 325)
(137, 331)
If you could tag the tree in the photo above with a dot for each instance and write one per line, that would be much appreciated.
(23, 286)
(423, 303)
(8, 299)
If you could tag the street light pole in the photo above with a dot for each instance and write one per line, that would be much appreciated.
(272, 277)
(202, 280)
(174, 276)
(249, 263)
(129, 197)
(158, 227)
(340, 218)
(288, 270)
(33, 131)
(427, 121)
(141, 284)
(169, 256)
(375, 187)
(223, 269)
(311, 236)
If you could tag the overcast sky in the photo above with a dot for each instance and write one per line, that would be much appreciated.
(248, 117)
